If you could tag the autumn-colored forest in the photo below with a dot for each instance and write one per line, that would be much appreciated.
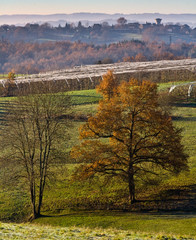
(28, 58)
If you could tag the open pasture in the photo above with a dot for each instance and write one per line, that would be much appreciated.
(38, 231)
(61, 195)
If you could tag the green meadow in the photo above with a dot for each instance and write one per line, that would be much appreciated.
(37, 231)
(70, 207)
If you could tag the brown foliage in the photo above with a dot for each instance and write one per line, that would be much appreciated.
(130, 136)
(31, 58)
(108, 86)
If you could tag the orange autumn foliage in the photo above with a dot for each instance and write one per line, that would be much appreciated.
(130, 136)
(108, 86)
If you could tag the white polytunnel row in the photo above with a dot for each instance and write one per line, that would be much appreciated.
(90, 71)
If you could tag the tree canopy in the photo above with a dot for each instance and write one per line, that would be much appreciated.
(130, 136)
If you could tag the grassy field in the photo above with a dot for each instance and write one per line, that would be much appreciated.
(34, 231)
(166, 86)
(176, 223)
(3, 75)
(84, 97)
(172, 224)
(64, 194)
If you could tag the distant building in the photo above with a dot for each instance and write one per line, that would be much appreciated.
(158, 21)
(145, 25)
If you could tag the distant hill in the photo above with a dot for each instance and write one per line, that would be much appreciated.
(91, 18)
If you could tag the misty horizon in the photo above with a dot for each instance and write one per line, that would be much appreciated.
(61, 18)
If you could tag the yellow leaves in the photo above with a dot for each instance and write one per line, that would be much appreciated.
(108, 86)
(129, 129)
(11, 76)
(138, 94)
(83, 172)
(85, 132)
(95, 154)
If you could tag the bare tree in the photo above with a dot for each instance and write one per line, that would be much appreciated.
(31, 136)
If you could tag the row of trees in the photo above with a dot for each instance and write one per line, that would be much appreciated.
(33, 57)
(130, 137)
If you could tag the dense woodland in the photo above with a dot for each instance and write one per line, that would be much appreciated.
(27, 58)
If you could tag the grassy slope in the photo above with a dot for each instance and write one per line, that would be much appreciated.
(175, 224)
(167, 85)
(186, 119)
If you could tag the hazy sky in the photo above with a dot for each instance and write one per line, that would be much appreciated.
(104, 6)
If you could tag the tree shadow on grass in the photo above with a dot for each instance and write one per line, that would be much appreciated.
(172, 202)
(185, 119)
(185, 104)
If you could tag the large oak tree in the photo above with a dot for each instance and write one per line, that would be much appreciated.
(130, 136)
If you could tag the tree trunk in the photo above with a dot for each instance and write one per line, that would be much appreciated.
(33, 201)
(40, 202)
(41, 193)
(131, 186)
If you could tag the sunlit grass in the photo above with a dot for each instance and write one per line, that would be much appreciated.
(34, 231)
(167, 85)
(150, 223)
(185, 118)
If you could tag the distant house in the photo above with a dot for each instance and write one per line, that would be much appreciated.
(145, 25)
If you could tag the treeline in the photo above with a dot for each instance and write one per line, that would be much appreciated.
(98, 33)
(28, 58)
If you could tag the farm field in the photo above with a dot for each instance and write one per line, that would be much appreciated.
(90, 224)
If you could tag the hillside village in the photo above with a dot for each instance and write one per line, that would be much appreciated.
(100, 33)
